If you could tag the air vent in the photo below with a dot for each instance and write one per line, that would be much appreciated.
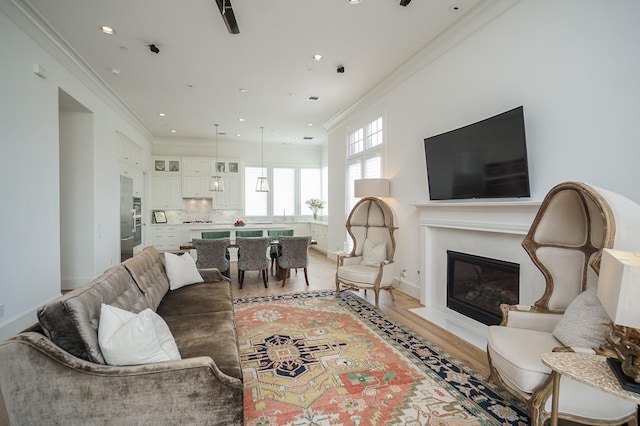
(313, 98)
(307, 138)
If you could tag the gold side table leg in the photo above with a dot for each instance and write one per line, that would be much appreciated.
(554, 398)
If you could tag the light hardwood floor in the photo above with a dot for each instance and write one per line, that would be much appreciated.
(321, 273)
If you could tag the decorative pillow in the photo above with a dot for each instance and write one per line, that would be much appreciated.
(181, 270)
(373, 255)
(126, 338)
(584, 323)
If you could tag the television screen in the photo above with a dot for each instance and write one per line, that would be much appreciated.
(487, 159)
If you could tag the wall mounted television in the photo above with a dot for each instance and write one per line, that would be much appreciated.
(487, 159)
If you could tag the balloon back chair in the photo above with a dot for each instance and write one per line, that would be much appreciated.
(212, 254)
(254, 257)
(574, 223)
(370, 265)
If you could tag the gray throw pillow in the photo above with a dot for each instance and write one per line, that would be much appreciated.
(584, 323)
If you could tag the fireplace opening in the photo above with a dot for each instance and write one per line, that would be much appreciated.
(476, 286)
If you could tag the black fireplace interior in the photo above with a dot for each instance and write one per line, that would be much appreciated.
(476, 286)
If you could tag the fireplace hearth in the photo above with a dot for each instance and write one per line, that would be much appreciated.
(476, 286)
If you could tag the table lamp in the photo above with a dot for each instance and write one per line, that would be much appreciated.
(619, 292)
(371, 188)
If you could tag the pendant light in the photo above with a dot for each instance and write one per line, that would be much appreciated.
(217, 184)
(263, 183)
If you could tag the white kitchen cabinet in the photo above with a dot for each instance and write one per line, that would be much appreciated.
(320, 233)
(196, 187)
(129, 152)
(166, 166)
(166, 192)
(232, 196)
(136, 175)
(165, 238)
(197, 166)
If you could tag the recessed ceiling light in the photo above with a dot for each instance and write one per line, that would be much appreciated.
(241, 119)
(107, 30)
(173, 131)
(238, 134)
(243, 90)
(189, 85)
(162, 114)
(123, 48)
(317, 57)
(115, 71)
(309, 124)
(291, 95)
(455, 8)
(353, 1)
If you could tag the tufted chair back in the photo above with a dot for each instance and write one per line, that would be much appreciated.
(574, 223)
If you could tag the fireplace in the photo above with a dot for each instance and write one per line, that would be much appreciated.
(476, 286)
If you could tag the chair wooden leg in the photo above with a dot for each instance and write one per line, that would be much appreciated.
(285, 273)
(265, 277)
(306, 277)
(241, 278)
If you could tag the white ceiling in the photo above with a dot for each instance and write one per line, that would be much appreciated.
(197, 76)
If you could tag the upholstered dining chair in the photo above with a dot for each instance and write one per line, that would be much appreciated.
(574, 223)
(294, 253)
(212, 254)
(214, 235)
(254, 257)
(370, 263)
(275, 234)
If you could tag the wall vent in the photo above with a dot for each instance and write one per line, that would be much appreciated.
(313, 98)
(307, 138)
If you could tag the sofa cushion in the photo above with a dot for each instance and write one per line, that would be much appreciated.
(516, 352)
(196, 299)
(148, 272)
(181, 270)
(126, 338)
(213, 335)
(71, 321)
(373, 254)
(360, 274)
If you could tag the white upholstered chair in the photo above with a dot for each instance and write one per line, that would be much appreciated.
(370, 263)
(574, 223)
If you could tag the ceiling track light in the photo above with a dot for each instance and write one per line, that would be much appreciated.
(263, 183)
(217, 184)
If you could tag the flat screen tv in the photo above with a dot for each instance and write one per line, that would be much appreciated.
(487, 159)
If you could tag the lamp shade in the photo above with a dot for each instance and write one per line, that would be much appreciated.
(619, 286)
(371, 188)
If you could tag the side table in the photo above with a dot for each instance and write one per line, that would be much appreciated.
(589, 369)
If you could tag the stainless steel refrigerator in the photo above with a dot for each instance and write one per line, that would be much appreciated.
(127, 218)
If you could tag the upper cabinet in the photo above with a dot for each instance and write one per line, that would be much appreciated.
(165, 166)
(129, 152)
(197, 166)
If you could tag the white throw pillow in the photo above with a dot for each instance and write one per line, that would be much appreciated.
(126, 338)
(584, 323)
(181, 270)
(373, 255)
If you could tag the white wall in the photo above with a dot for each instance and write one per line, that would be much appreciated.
(29, 143)
(572, 64)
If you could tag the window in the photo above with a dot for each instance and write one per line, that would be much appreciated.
(255, 203)
(310, 187)
(284, 191)
(364, 159)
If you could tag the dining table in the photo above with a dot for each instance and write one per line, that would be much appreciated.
(274, 243)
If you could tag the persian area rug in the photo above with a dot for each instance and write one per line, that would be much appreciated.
(312, 359)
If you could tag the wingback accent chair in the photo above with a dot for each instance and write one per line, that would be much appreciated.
(370, 263)
(574, 223)
(212, 254)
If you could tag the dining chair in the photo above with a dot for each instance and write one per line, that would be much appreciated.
(212, 235)
(212, 254)
(275, 234)
(254, 257)
(254, 233)
(294, 253)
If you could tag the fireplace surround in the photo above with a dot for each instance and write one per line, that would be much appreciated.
(476, 286)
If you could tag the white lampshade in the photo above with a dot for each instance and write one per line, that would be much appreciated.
(371, 188)
(619, 286)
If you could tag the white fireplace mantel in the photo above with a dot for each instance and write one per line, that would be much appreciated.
(493, 229)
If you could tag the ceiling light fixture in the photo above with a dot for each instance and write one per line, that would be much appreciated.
(317, 57)
(263, 183)
(162, 114)
(107, 30)
(241, 119)
(217, 184)
(353, 1)
(173, 131)
(243, 90)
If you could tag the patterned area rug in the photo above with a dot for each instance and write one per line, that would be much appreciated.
(312, 359)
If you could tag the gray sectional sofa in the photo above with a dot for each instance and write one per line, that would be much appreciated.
(55, 373)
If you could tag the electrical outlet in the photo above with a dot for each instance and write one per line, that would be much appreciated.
(403, 274)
